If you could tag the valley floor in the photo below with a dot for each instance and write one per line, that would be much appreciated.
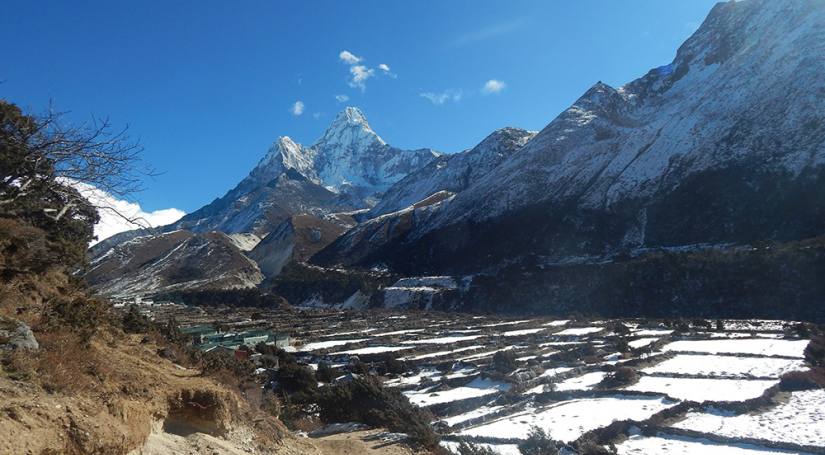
(709, 386)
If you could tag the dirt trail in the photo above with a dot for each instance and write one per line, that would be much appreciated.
(356, 443)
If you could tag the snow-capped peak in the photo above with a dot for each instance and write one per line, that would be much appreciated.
(350, 127)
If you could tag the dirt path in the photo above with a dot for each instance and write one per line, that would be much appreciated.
(356, 443)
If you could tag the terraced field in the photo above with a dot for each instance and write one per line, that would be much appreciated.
(706, 386)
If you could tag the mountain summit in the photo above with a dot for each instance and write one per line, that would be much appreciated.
(349, 129)
(343, 170)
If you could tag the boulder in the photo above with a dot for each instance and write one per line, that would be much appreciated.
(16, 335)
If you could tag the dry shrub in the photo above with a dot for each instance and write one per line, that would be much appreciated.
(18, 364)
(271, 404)
(66, 363)
(78, 314)
(23, 249)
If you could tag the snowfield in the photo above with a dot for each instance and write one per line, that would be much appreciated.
(551, 381)
(475, 413)
(567, 420)
(432, 355)
(726, 366)
(557, 323)
(578, 331)
(498, 449)
(318, 345)
(801, 420)
(517, 333)
(584, 382)
(703, 389)
(642, 342)
(397, 332)
(678, 445)
(442, 340)
(476, 388)
(768, 347)
(373, 350)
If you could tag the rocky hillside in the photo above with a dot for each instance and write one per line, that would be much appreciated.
(178, 260)
(297, 239)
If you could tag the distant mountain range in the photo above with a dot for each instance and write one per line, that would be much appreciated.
(721, 149)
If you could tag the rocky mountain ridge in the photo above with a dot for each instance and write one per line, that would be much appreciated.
(724, 145)
(345, 169)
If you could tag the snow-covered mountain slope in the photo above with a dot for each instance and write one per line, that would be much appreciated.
(747, 86)
(343, 170)
(724, 145)
(453, 173)
(178, 260)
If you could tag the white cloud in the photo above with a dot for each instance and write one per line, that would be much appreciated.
(349, 58)
(385, 70)
(316, 115)
(297, 108)
(442, 97)
(493, 86)
(118, 215)
(360, 74)
(341, 98)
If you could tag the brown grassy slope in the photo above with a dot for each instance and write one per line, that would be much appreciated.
(90, 388)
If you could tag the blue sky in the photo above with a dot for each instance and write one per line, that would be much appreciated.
(207, 86)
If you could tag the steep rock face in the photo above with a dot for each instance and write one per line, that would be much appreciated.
(343, 170)
(296, 239)
(724, 145)
(454, 172)
(376, 238)
(177, 260)
(262, 207)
